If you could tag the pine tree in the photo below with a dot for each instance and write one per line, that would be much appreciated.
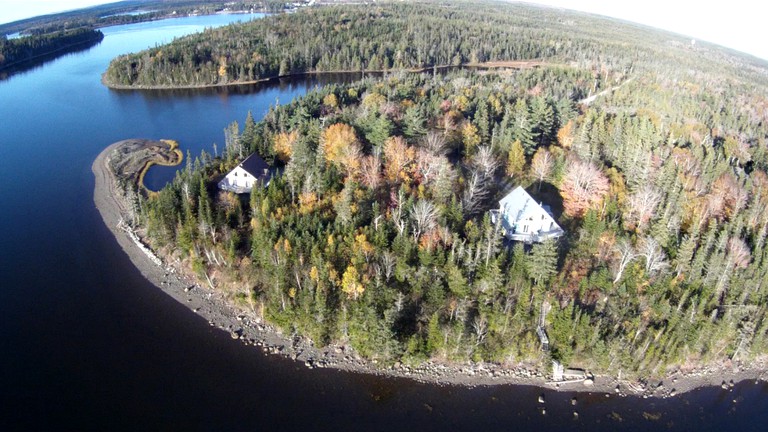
(522, 127)
(248, 137)
(378, 129)
(434, 335)
(482, 121)
(542, 262)
(414, 124)
(543, 121)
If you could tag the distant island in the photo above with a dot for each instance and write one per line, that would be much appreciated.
(391, 229)
(30, 42)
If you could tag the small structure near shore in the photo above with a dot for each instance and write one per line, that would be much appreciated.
(523, 219)
(562, 374)
(251, 172)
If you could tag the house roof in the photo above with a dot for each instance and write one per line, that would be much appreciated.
(519, 205)
(255, 166)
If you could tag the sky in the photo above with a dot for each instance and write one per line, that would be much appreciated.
(737, 24)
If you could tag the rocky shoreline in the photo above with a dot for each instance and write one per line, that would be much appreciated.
(249, 329)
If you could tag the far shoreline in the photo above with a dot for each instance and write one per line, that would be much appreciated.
(250, 330)
(510, 64)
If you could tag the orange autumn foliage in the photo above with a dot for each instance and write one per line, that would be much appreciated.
(584, 187)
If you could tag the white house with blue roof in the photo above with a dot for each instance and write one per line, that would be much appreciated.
(523, 219)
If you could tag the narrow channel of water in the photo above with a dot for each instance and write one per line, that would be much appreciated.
(87, 343)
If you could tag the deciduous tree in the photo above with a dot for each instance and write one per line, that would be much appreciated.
(584, 187)
(541, 165)
(283, 145)
(516, 160)
(350, 283)
(340, 147)
(641, 207)
(398, 156)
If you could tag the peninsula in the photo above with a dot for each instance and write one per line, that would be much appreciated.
(602, 211)
(118, 166)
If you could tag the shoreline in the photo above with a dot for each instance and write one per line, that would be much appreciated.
(514, 64)
(248, 328)
(174, 147)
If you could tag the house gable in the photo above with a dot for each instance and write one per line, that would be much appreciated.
(246, 175)
(526, 220)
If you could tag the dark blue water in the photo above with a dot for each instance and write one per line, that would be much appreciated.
(87, 344)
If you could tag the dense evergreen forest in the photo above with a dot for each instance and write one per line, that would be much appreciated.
(402, 36)
(133, 11)
(376, 232)
(26, 49)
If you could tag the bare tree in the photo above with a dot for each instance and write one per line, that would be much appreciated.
(541, 165)
(477, 189)
(434, 143)
(584, 186)
(475, 192)
(737, 256)
(388, 261)
(424, 215)
(485, 162)
(397, 212)
(480, 326)
(626, 254)
(429, 165)
(370, 171)
(655, 258)
(642, 206)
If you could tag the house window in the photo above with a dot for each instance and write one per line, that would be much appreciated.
(525, 228)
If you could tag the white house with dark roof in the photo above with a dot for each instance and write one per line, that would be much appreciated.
(251, 172)
(523, 219)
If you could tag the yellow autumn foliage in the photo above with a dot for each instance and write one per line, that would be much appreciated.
(340, 147)
(350, 283)
(283, 143)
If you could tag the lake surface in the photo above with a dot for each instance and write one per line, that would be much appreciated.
(86, 343)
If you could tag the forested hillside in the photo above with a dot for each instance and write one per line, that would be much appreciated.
(376, 234)
(398, 36)
(27, 49)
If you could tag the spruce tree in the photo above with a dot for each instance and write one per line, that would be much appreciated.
(542, 262)
(248, 137)
(522, 127)
(414, 124)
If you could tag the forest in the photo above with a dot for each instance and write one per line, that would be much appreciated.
(410, 35)
(132, 11)
(345, 38)
(374, 232)
(14, 52)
